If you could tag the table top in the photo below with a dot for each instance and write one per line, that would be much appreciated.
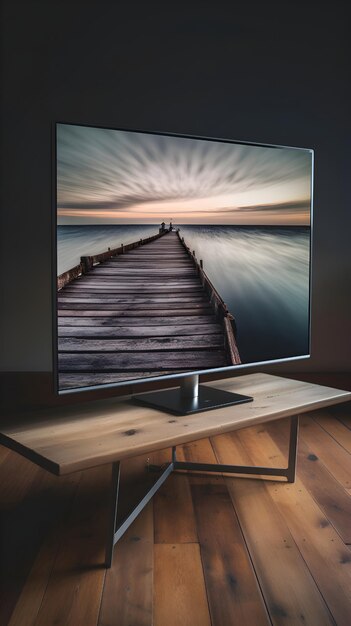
(69, 439)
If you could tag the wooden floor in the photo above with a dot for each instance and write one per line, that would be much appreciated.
(138, 314)
(207, 550)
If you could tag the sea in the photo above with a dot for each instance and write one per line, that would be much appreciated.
(261, 272)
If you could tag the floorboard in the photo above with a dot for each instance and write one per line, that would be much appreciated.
(128, 590)
(330, 496)
(179, 586)
(323, 550)
(334, 456)
(228, 570)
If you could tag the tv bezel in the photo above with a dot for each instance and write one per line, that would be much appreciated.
(179, 375)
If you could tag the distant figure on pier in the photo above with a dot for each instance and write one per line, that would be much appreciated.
(170, 226)
(162, 228)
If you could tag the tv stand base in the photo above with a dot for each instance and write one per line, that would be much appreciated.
(116, 532)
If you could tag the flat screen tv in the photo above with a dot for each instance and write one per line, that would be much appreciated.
(177, 256)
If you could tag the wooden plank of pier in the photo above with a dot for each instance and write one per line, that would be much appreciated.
(139, 311)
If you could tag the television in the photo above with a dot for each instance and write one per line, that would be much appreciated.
(177, 256)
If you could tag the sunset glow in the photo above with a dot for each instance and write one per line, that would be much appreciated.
(118, 177)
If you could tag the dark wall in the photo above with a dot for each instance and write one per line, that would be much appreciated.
(264, 72)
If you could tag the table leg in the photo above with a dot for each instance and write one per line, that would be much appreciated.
(288, 472)
(115, 478)
(294, 433)
(114, 534)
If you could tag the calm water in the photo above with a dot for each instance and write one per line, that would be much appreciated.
(76, 241)
(262, 273)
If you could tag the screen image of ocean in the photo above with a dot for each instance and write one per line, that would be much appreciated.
(261, 272)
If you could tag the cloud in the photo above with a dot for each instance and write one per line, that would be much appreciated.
(294, 206)
(100, 169)
(118, 203)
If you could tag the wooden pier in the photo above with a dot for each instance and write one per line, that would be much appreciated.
(141, 310)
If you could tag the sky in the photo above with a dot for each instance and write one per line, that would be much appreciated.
(119, 177)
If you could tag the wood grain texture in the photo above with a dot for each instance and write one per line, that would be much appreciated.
(156, 284)
(174, 512)
(325, 554)
(135, 481)
(109, 319)
(228, 571)
(145, 313)
(320, 545)
(75, 586)
(13, 492)
(146, 345)
(86, 296)
(179, 361)
(330, 496)
(32, 594)
(186, 287)
(69, 439)
(72, 380)
(305, 522)
(126, 332)
(287, 585)
(343, 415)
(128, 590)
(199, 452)
(334, 456)
(180, 594)
(4, 453)
(17, 544)
(335, 428)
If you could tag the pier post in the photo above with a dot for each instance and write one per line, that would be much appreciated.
(201, 272)
(87, 263)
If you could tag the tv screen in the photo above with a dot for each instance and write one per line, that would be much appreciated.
(177, 255)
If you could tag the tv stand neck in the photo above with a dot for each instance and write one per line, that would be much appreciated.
(189, 387)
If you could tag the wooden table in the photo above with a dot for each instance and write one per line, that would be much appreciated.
(69, 439)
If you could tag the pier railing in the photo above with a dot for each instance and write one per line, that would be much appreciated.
(218, 304)
(87, 262)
